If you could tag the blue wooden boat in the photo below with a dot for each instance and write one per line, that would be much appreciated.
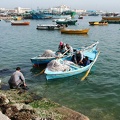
(38, 60)
(91, 52)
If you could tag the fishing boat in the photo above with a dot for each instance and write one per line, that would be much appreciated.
(66, 22)
(74, 31)
(20, 23)
(98, 23)
(80, 17)
(50, 27)
(72, 69)
(45, 58)
(93, 14)
(112, 19)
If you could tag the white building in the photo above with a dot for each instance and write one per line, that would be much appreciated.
(60, 8)
(20, 10)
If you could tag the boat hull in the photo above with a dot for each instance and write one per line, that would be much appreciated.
(20, 23)
(50, 27)
(38, 60)
(98, 23)
(67, 74)
(72, 31)
(67, 22)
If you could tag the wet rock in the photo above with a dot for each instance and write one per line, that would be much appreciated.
(3, 99)
(24, 114)
(3, 117)
(8, 110)
(19, 106)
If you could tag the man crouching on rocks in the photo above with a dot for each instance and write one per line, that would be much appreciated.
(17, 80)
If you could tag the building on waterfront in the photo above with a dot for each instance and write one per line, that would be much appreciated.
(15, 11)
(20, 10)
(60, 9)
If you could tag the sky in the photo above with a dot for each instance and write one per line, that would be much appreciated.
(104, 5)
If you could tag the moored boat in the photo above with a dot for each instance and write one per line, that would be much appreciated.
(71, 68)
(74, 31)
(112, 19)
(50, 27)
(98, 23)
(68, 22)
(20, 23)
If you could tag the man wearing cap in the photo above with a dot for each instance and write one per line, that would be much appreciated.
(62, 48)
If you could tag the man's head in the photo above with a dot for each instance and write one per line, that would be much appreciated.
(78, 52)
(18, 68)
(68, 46)
(61, 43)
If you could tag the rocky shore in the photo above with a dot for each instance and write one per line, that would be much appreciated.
(23, 105)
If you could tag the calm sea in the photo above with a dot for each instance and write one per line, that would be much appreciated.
(98, 96)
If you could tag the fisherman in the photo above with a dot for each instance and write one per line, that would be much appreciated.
(69, 48)
(62, 47)
(17, 80)
(78, 57)
(86, 61)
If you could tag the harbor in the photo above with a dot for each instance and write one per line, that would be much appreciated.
(97, 97)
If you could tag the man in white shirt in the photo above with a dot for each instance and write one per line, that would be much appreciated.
(69, 48)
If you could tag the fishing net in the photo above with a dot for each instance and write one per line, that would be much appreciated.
(48, 53)
(55, 65)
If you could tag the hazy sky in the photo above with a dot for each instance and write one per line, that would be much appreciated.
(105, 5)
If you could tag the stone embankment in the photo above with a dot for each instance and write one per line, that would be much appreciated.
(22, 105)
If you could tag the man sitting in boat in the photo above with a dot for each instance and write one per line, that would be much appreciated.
(78, 57)
(85, 61)
(69, 48)
(62, 47)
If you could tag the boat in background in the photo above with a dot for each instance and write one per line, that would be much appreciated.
(75, 31)
(112, 19)
(20, 23)
(69, 12)
(93, 14)
(50, 27)
(8, 20)
(98, 23)
(80, 17)
(66, 22)
(71, 68)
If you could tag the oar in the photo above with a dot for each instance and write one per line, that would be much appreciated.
(57, 58)
(83, 78)
(40, 72)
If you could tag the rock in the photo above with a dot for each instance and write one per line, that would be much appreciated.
(27, 107)
(71, 114)
(19, 106)
(3, 117)
(3, 99)
(0, 83)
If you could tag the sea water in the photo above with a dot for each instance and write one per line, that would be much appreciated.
(98, 96)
